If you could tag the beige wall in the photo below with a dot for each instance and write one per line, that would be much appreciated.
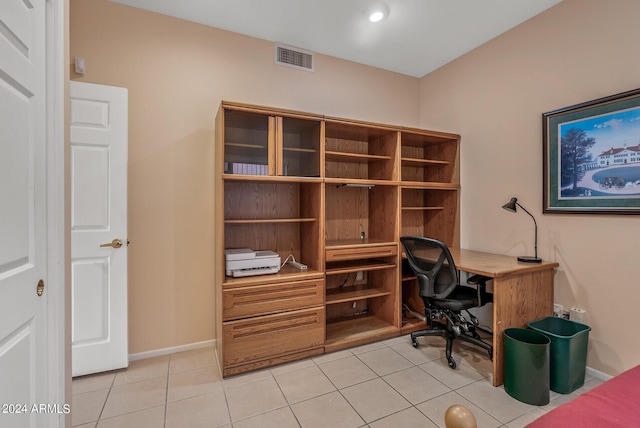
(494, 97)
(177, 73)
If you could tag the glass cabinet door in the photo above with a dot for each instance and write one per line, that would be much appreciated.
(247, 138)
(300, 155)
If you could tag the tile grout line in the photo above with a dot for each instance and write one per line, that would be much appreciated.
(275, 379)
(378, 376)
(166, 394)
(113, 381)
(341, 394)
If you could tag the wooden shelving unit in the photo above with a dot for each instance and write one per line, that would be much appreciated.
(336, 194)
(430, 203)
(361, 247)
(269, 196)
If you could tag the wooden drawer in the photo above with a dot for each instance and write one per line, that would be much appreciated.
(361, 253)
(271, 298)
(270, 336)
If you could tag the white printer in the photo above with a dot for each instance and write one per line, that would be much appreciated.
(246, 262)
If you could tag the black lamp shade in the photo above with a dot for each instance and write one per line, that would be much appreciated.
(511, 205)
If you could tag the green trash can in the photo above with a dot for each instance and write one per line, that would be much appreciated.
(526, 365)
(568, 358)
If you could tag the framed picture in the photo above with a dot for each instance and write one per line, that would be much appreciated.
(592, 156)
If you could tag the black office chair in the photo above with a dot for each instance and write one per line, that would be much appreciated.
(444, 298)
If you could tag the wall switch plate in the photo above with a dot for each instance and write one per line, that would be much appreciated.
(80, 65)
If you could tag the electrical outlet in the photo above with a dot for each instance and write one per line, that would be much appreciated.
(359, 275)
(298, 265)
(577, 315)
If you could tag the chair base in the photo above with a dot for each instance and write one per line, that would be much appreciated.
(442, 330)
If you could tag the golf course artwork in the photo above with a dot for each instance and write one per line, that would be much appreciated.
(592, 156)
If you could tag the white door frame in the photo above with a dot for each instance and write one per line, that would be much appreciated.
(58, 288)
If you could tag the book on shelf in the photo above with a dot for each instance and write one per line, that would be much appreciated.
(246, 168)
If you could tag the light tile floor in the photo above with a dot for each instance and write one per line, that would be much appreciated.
(385, 384)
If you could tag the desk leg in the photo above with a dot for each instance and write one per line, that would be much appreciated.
(517, 300)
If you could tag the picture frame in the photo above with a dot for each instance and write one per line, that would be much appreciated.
(591, 156)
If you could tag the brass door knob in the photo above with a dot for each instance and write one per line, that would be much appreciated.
(116, 243)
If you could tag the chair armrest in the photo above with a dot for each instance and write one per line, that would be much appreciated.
(480, 282)
(425, 286)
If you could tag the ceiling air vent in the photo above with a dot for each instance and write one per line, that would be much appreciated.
(294, 57)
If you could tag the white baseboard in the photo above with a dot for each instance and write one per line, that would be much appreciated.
(172, 350)
(597, 374)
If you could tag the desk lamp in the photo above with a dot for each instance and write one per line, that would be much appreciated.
(511, 206)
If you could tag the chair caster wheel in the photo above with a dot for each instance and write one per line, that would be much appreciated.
(452, 363)
(414, 342)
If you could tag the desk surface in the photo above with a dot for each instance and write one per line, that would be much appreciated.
(494, 265)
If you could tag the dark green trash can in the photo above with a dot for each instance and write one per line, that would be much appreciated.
(526, 365)
(568, 358)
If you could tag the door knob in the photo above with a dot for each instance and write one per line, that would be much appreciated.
(116, 243)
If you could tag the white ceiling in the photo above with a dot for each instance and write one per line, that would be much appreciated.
(416, 38)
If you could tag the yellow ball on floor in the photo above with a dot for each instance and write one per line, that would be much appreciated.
(458, 416)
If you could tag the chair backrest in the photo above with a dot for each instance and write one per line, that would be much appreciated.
(433, 265)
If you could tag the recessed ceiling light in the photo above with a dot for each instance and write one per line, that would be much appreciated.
(376, 16)
(378, 13)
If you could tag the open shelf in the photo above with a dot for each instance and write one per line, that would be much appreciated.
(430, 185)
(423, 162)
(353, 157)
(268, 179)
(364, 183)
(283, 216)
(360, 151)
(339, 244)
(422, 208)
(429, 157)
(271, 220)
(430, 212)
(347, 332)
(338, 268)
(353, 293)
(286, 273)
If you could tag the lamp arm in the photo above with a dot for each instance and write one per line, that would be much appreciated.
(535, 224)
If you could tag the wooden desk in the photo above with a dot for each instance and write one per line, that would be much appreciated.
(522, 292)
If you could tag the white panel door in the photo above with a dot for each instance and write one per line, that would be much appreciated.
(24, 356)
(99, 139)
